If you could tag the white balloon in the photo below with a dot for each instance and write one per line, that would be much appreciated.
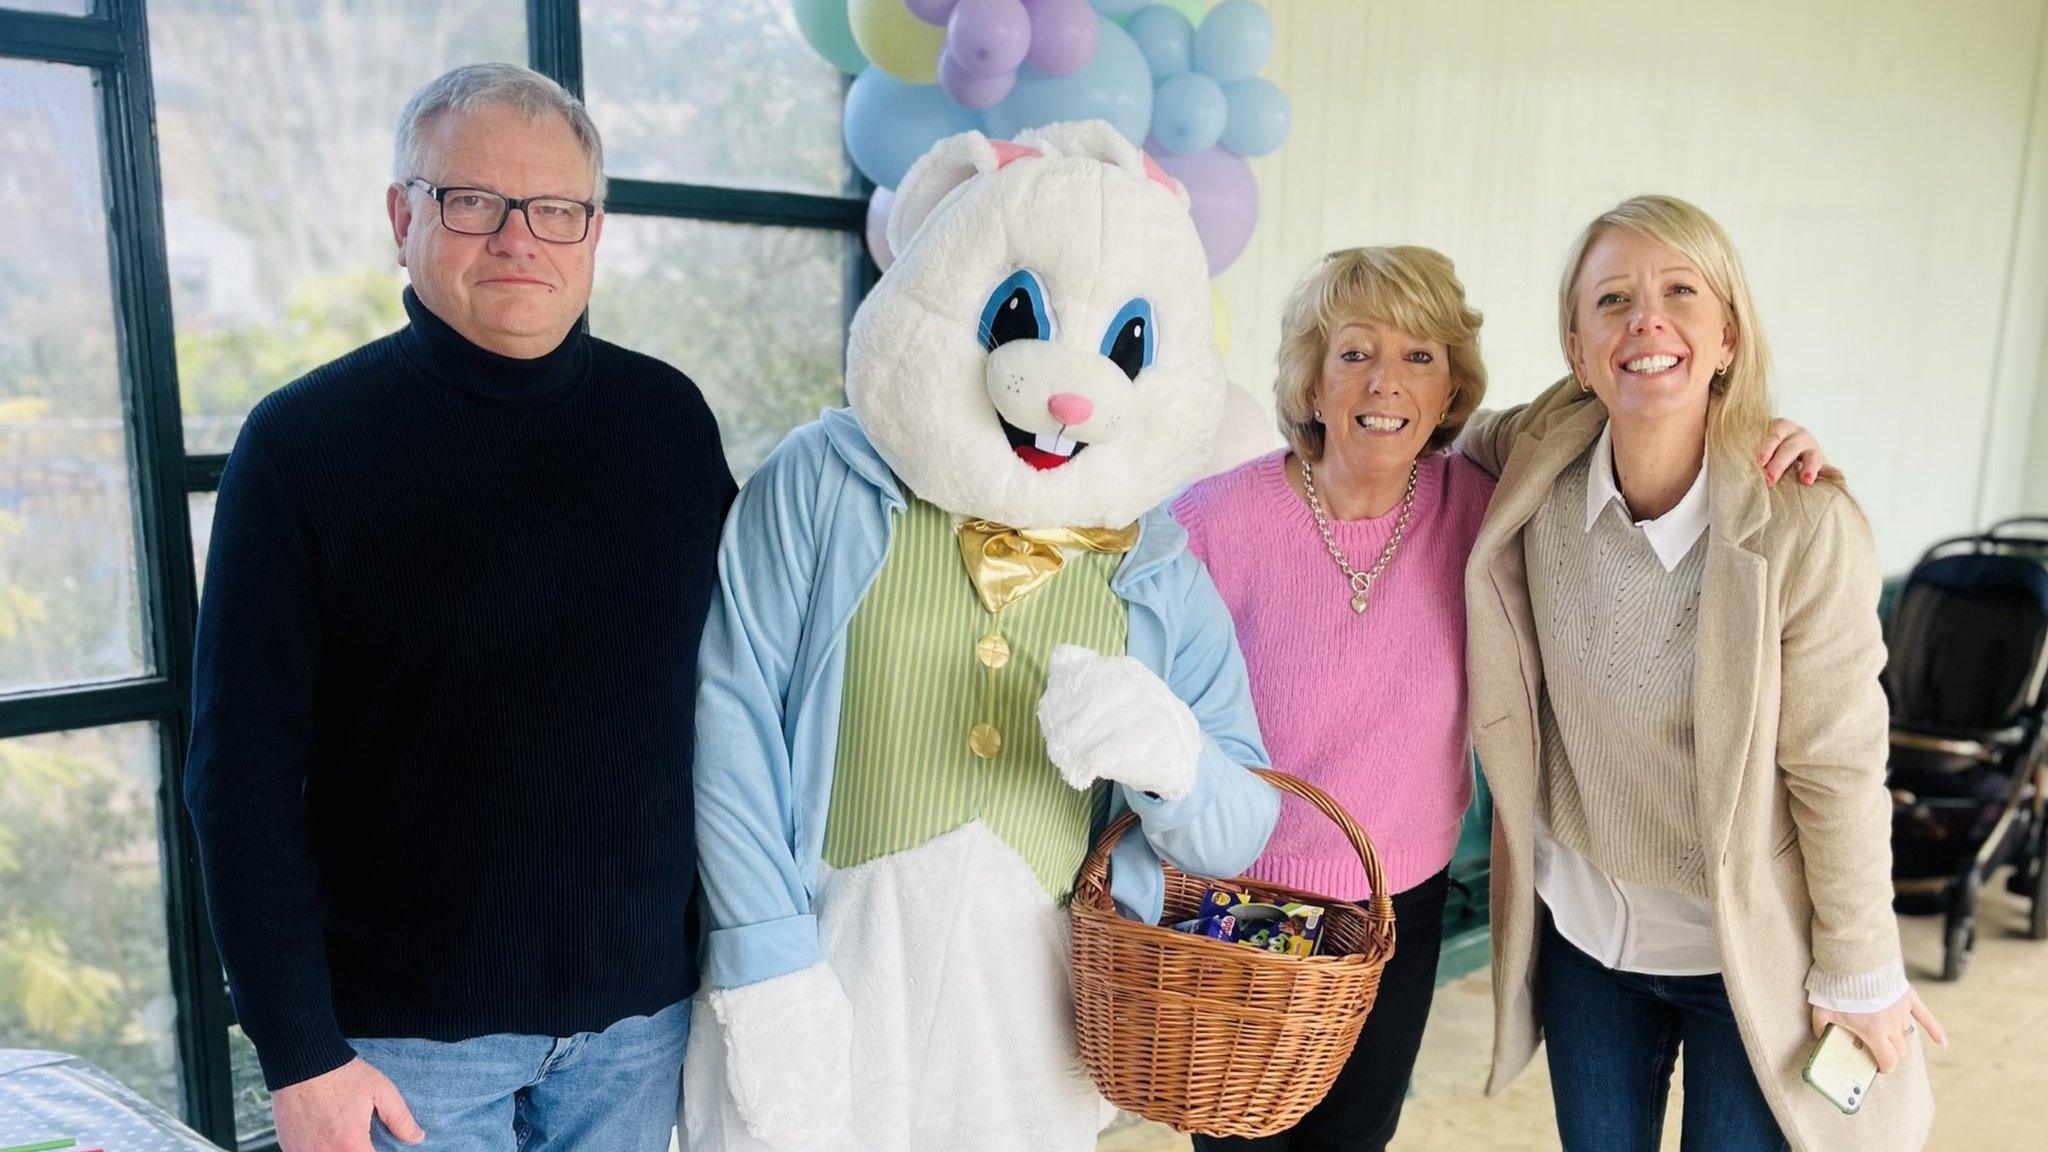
(878, 227)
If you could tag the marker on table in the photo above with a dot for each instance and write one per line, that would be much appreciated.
(46, 1146)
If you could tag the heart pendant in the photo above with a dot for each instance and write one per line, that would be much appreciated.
(1358, 603)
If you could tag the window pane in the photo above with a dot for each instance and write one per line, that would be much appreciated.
(755, 315)
(83, 960)
(69, 604)
(252, 1100)
(713, 93)
(253, 96)
(201, 506)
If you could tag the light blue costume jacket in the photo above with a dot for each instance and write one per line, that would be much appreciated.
(804, 542)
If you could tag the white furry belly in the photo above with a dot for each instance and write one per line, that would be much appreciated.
(957, 965)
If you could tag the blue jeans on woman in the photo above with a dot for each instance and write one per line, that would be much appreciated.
(609, 1091)
(1613, 1038)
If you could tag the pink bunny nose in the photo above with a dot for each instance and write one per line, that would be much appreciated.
(1070, 408)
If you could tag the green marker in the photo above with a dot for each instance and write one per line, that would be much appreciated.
(45, 1146)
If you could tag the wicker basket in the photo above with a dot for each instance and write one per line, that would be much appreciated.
(1215, 1038)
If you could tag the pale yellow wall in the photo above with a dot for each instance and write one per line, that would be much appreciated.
(1872, 159)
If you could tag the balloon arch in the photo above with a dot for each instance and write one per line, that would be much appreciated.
(1178, 80)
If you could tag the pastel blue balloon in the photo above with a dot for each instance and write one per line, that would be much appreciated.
(1188, 113)
(1115, 85)
(889, 124)
(1118, 9)
(1167, 38)
(1258, 119)
(1233, 42)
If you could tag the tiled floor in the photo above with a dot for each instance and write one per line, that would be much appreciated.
(1991, 1084)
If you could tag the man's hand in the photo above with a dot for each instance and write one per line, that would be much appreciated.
(332, 1112)
(1885, 1033)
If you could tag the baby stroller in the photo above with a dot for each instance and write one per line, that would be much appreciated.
(1969, 653)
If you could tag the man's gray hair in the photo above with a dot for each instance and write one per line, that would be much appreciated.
(475, 86)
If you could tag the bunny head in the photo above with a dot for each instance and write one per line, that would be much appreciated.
(1041, 353)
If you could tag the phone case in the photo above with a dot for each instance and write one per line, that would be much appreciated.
(1841, 1069)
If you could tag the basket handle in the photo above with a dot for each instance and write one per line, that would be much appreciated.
(1094, 877)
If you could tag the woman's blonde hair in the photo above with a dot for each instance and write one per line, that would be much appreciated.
(1739, 404)
(1414, 290)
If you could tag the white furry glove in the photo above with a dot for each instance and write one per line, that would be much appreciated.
(788, 1058)
(1111, 718)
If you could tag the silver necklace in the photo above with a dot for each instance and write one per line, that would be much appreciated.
(1361, 582)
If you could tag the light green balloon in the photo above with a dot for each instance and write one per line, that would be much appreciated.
(1192, 9)
(829, 32)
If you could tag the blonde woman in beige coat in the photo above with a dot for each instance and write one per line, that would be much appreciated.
(1674, 694)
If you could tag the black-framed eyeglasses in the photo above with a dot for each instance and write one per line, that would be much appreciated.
(481, 212)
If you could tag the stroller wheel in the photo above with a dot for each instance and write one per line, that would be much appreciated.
(1956, 945)
(1959, 936)
(2025, 878)
(2037, 912)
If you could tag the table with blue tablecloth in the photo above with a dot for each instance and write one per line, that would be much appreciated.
(52, 1096)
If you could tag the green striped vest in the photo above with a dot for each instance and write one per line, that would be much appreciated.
(928, 684)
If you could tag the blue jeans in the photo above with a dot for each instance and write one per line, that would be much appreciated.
(609, 1091)
(1613, 1038)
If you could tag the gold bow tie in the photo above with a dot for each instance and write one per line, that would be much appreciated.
(1005, 563)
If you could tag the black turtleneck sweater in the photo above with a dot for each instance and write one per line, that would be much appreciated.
(447, 656)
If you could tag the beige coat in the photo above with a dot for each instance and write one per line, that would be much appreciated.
(1791, 742)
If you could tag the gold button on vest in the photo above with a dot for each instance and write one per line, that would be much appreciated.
(992, 650)
(984, 741)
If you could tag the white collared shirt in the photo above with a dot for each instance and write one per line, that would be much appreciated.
(1671, 535)
(1624, 925)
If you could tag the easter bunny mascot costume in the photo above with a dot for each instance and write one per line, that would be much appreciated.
(956, 633)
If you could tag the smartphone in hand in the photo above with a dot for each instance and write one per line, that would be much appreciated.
(1841, 1069)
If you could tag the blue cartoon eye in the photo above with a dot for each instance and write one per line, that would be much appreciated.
(1129, 343)
(1016, 311)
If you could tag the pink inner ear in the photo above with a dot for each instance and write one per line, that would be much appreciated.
(1154, 172)
(1008, 150)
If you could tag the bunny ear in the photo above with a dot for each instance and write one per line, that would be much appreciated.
(1154, 172)
(951, 163)
(1098, 140)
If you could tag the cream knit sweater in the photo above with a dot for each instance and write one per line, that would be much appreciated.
(1618, 635)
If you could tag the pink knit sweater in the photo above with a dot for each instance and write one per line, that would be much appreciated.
(1369, 707)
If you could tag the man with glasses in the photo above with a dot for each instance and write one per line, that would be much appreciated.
(446, 674)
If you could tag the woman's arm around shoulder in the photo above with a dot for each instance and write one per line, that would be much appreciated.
(1488, 437)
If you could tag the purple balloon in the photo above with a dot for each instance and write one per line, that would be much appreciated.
(1063, 35)
(931, 11)
(1223, 198)
(989, 37)
(970, 90)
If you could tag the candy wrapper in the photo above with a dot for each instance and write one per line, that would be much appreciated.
(1234, 917)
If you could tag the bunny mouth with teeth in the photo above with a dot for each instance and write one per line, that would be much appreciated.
(1044, 451)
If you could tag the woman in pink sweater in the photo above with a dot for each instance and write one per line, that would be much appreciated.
(1341, 558)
